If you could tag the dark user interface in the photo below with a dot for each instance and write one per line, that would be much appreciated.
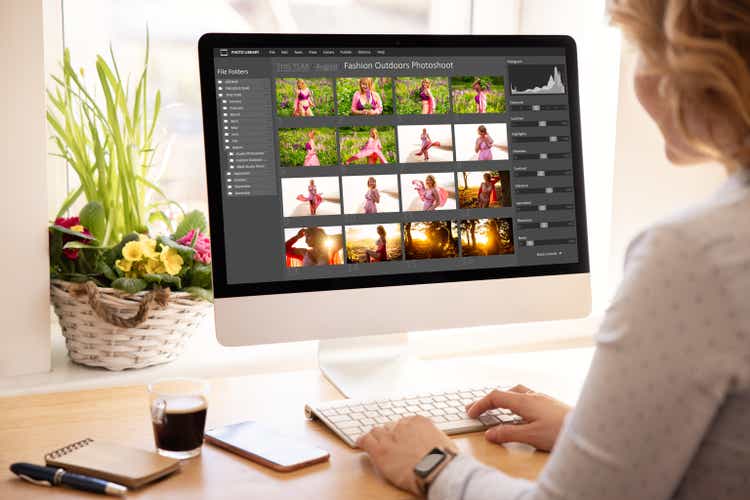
(352, 162)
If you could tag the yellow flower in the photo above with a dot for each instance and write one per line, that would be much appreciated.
(132, 251)
(172, 260)
(123, 265)
(148, 245)
(155, 266)
(77, 228)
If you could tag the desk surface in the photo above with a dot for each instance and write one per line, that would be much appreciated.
(32, 425)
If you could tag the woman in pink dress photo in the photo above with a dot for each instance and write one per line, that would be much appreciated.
(432, 196)
(311, 151)
(487, 193)
(425, 95)
(366, 101)
(313, 197)
(426, 145)
(480, 100)
(380, 254)
(483, 145)
(372, 150)
(372, 196)
(303, 100)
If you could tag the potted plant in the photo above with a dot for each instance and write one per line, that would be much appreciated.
(125, 297)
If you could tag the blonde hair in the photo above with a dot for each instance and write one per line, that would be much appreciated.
(426, 83)
(368, 81)
(430, 178)
(304, 83)
(482, 129)
(374, 133)
(701, 51)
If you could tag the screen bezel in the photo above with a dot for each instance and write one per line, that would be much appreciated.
(211, 41)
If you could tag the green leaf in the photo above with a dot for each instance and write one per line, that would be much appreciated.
(158, 215)
(70, 232)
(129, 285)
(192, 220)
(200, 275)
(80, 244)
(164, 279)
(185, 252)
(200, 293)
(93, 218)
(105, 270)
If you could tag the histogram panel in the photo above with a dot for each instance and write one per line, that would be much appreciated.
(548, 79)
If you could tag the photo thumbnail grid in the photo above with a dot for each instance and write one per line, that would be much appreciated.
(346, 147)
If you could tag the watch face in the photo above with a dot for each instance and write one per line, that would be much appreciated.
(429, 462)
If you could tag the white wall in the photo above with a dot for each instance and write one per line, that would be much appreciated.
(646, 186)
(598, 60)
(24, 267)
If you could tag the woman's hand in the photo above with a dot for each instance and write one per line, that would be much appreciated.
(397, 448)
(543, 415)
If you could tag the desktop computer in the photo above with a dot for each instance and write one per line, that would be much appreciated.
(364, 185)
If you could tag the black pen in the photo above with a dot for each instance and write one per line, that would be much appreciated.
(52, 476)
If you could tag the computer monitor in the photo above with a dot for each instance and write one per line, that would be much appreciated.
(377, 184)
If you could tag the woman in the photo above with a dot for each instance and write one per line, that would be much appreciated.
(483, 144)
(665, 408)
(372, 196)
(321, 249)
(487, 194)
(426, 145)
(432, 196)
(303, 100)
(426, 97)
(480, 99)
(313, 197)
(311, 151)
(366, 101)
(380, 254)
(372, 150)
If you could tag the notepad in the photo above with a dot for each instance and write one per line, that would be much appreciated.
(131, 467)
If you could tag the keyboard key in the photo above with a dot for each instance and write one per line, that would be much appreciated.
(506, 419)
(357, 416)
(458, 426)
(367, 421)
(371, 414)
(426, 406)
(351, 424)
(339, 418)
(489, 420)
(382, 420)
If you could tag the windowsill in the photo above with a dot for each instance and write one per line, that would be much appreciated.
(553, 345)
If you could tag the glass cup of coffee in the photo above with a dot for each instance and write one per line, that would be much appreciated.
(178, 415)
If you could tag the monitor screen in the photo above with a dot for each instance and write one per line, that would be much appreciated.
(344, 167)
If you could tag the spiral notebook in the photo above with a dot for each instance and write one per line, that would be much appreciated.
(131, 467)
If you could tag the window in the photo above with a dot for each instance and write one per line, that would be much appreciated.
(88, 26)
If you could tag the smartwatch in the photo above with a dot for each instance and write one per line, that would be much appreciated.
(428, 469)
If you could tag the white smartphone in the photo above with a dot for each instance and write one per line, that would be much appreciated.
(265, 446)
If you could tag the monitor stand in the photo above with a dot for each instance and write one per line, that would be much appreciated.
(366, 367)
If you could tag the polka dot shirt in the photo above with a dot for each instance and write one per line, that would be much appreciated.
(665, 409)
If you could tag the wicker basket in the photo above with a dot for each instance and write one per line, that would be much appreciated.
(107, 328)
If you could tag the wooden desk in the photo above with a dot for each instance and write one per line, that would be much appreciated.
(32, 425)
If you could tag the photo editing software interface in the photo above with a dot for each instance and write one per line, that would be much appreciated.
(350, 162)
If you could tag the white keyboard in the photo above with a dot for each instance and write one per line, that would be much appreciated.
(350, 419)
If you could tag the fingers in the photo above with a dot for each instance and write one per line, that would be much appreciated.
(520, 388)
(514, 401)
(523, 433)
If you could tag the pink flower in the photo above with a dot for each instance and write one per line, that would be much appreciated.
(202, 245)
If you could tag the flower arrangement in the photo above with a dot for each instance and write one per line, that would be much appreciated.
(180, 261)
(109, 141)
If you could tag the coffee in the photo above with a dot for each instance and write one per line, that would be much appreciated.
(179, 422)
